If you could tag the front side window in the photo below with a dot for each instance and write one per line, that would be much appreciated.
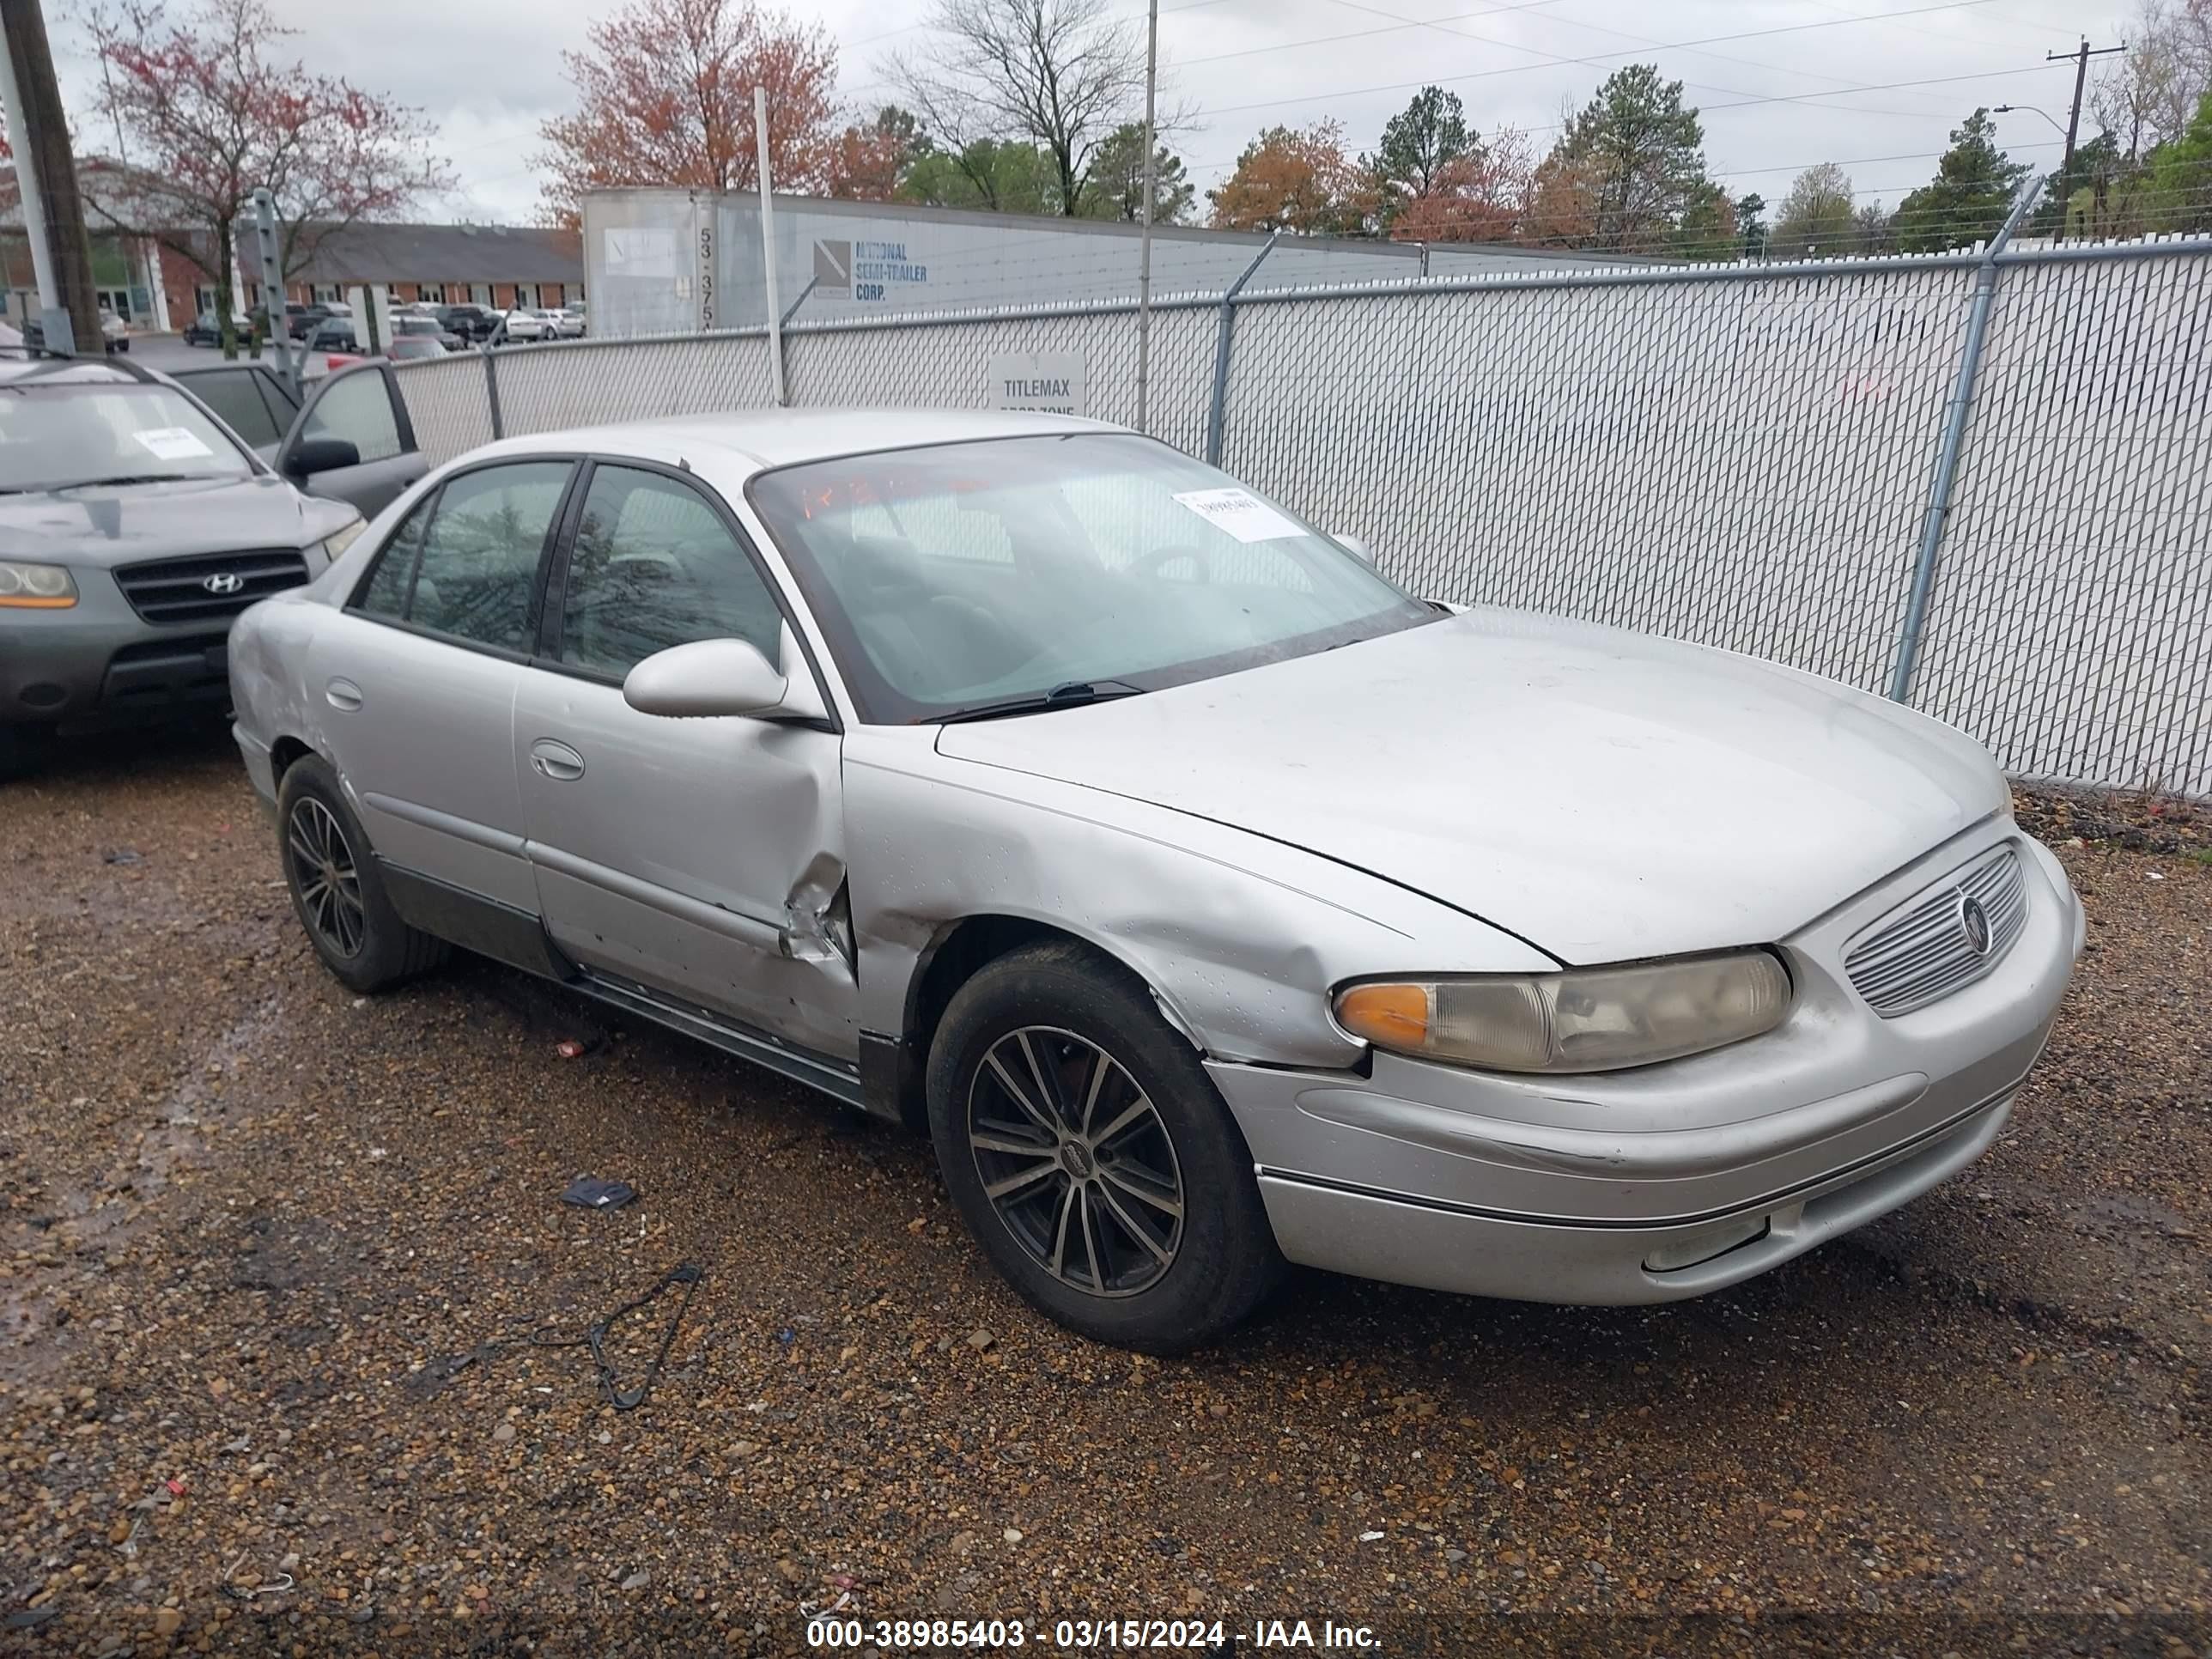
(471, 568)
(62, 436)
(956, 576)
(357, 408)
(654, 566)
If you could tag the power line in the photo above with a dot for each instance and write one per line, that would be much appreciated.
(1778, 98)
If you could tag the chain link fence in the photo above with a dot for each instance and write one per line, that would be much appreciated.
(1743, 456)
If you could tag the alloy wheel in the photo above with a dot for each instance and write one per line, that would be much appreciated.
(326, 876)
(1076, 1161)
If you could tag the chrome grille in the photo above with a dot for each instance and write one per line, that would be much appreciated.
(177, 591)
(1921, 952)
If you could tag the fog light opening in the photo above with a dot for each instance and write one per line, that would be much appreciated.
(1703, 1243)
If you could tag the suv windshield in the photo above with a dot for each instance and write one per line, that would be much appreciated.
(1032, 571)
(56, 436)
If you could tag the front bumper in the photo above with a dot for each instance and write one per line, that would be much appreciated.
(1669, 1181)
(89, 664)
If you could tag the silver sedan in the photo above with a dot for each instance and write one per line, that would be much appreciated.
(1212, 901)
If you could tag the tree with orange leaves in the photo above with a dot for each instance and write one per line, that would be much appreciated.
(665, 91)
(1477, 197)
(1297, 179)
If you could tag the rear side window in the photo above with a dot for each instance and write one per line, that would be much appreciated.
(654, 566)
(237, 396)
(465, 563)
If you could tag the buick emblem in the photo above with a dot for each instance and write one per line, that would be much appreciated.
(1974, 925)
(224, 581)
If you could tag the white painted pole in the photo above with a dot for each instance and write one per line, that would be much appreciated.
(1145, 233)
(767, 246)
(27, 184)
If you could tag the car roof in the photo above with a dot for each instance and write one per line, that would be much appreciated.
(784, 437)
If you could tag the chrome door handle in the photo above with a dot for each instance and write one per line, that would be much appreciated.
(555, 761)
(344, 694)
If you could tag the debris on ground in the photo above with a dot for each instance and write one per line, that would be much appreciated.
(589, 1193)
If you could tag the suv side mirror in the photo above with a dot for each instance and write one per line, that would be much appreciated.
(312, 455)
(705, 677)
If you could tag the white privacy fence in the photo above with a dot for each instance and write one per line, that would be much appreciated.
(1746, 457)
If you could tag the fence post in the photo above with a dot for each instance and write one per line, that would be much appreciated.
(1227, 326)
(1938, 516)
(491, 392)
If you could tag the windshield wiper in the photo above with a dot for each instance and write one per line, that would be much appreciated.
(125, 478)
(1073, 695)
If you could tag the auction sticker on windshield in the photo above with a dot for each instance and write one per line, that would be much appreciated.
(1240, 513)
(172, 443)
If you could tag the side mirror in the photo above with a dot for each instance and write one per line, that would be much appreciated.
(1355, 545)
(705, 677)
(312, 455)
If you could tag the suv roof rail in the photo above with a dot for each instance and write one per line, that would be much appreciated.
(119, 361)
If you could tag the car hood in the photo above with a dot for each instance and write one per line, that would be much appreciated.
(103, 525)
(1606, 795)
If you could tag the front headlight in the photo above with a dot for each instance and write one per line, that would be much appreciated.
(1584, 1019)
(36, 586)
(334, 545)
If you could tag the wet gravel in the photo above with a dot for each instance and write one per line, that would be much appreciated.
(271, 1257)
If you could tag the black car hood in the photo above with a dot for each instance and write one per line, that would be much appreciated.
(103, 525)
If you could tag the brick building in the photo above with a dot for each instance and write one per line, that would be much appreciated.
(499, 266)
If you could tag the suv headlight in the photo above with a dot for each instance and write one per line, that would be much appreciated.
(335, 544)
(1583, 1019)
(36, 586)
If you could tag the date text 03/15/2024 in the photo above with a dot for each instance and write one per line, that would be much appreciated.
(1087, 1634)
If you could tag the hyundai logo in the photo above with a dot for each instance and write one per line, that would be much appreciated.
(1974, 925)
(224, 581)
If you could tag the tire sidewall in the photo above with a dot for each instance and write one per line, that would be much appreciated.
(1226, 1259)
(382, 956)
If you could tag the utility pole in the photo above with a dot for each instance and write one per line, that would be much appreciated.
(2080, 55)
(1145, 233)
(48, 173)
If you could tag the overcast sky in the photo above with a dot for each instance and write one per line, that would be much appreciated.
(1810, 82)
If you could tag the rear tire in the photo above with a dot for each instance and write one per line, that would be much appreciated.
(338, 891)
(1092, 1157)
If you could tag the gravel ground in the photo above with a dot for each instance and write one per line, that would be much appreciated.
(270, 1256)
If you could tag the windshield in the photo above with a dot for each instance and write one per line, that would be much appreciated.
(962, 575)
(53, 436)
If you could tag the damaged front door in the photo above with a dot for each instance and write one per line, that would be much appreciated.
(702, 859)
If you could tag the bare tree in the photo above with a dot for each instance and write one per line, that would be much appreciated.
(1061, 75)
(2148, 98)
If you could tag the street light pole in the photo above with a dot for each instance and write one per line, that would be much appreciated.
(1144, 231)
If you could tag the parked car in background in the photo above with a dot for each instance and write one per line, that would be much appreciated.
(114, 336)
(308, 317)
(524, 325)
(406, 346)
(134, 526)
(424, 327)
(475, 324)
(206, 329)
(332, 334)
(568, 321)
(1214, 902)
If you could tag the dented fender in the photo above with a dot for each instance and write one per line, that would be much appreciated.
(1240, 937)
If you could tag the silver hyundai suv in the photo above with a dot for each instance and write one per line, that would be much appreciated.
(134, 527)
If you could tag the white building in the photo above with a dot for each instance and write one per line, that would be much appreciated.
(662, 261)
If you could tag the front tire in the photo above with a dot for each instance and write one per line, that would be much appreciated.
(338, 891)
(1092, 1157)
